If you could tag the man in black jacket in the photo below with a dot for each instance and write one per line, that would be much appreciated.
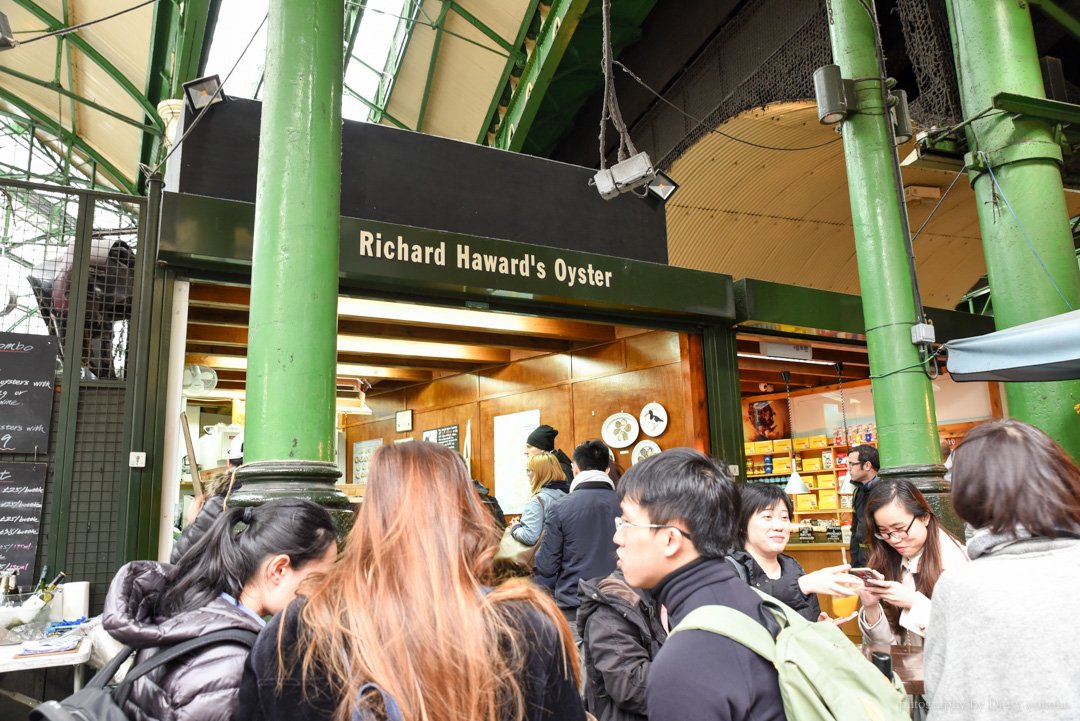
(577, 541)
(679, 514)
(542, 440)
(863, 466)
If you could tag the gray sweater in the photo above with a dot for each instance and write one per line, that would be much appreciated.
(1002, 641)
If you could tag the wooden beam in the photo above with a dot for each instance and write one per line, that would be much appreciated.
(239, 363)
(807, 369)
(423, 316)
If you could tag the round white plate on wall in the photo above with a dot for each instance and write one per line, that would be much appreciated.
(619, 430)
(654, 419)
(643, 450)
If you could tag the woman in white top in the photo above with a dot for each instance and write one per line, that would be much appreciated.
(910, 549)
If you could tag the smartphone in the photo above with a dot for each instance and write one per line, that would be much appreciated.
(866, 574)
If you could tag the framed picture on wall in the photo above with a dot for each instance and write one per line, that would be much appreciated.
(765, 420)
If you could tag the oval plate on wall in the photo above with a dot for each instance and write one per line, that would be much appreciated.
(643, 450)
(619, 430)
(654, 419)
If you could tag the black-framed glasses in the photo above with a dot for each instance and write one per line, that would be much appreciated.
(889, 535)
(620, 522)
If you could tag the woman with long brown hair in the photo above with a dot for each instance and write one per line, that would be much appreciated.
(910, 548)
(408, 625)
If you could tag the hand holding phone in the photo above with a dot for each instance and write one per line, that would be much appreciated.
(867, 574)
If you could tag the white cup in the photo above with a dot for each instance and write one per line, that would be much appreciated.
(76, 599)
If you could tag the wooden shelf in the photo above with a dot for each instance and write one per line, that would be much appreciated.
(820, 513)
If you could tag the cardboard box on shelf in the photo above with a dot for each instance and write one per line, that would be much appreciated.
(748, 448)
(811, 464)
(781, 445)
(806, 502)
(827, 459)
(827, 500)
(763, 446)
(826, 480)
(819, 441)
(801, 444)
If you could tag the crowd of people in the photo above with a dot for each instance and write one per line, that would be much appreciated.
(416, 619)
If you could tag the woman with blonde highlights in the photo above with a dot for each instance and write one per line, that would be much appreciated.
(547, 486)
(409, 611)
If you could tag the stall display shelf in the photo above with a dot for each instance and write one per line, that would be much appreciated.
(788, 473)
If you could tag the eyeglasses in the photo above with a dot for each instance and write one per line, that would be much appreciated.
(889, 535)
(620, 522)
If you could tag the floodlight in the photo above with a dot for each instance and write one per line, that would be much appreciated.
(662, 186)
(835, 95)
(901, 117)
(202, 92)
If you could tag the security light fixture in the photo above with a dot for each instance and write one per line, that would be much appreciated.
(202, 92)
(7, 39)
(835, 95)
(624, 176)
(662, 186)
(901, 117)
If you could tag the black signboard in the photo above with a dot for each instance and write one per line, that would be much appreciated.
(447, 436)
(833, 534)
(27, 369)
(22, 490)
(806, 534)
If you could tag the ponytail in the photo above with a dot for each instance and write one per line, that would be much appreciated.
(228, 555)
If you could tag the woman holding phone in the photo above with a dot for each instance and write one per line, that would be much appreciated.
(910, 549)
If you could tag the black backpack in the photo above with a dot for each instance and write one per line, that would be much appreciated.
(100, 700)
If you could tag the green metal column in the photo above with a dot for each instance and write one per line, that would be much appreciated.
(723, 397)
(903, 401)
(1031, 266)
(292, 336)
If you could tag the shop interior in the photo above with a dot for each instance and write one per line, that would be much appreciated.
(478, 381)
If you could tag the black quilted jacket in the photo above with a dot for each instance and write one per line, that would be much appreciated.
(201, 687)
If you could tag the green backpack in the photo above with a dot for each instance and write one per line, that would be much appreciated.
(823, 675)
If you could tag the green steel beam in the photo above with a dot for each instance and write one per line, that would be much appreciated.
(1054, 111)
(357, 15)
(514, 50)
(196, 27)
(1060, 14)
(397, 53)
(67, 136)
(96, 57)
(551, 44)
(80, 99)
(1027, 241)
(903, 398)
(526, 22)
(376, 109)
(159, 78)
(432, 62)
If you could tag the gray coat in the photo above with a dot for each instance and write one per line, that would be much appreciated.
(985, 658)
(527, 529)
(201, 687)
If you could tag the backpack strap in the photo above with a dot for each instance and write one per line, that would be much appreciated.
(729, 623)
(393, 711)
(171, 653)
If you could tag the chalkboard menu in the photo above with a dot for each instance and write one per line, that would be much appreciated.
(22, 490)
(27, 369)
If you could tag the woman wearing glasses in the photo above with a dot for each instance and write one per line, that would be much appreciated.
(910, 548)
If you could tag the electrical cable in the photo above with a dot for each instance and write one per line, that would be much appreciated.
(699, 121)
(432, 25)
(611, 110)
(922, 363)
(217, 93)
(88, 23)
(1031, 246)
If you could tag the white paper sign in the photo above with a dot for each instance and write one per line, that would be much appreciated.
(511, 479)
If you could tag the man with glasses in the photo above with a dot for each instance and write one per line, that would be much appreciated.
(863, 466)
(679, 516)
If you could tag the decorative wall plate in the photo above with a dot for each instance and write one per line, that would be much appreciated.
(654, 419)
(619, 430)
(643, 450)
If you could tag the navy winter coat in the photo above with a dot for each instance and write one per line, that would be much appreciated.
(577, 541)
(702, 676)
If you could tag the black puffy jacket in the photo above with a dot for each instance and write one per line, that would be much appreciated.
(577, 541)
(785, 589)
(621, 635)
(202, 686)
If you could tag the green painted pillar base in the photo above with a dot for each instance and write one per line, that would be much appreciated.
(930, 480)
(263, 481)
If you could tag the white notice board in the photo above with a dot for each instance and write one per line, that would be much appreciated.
(511, 480)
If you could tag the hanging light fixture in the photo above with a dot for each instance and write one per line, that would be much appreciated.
(795, 484)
